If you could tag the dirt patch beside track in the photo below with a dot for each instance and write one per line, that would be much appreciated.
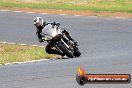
(70, 12)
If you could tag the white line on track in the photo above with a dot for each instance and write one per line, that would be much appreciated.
(4, 10)
(33, 61)
(34, 45)
(17, 11)
(58, 14)
(30, 12)
(43, 13)
(3, 42)
(20, 44)
(77, 15)
(23, 44)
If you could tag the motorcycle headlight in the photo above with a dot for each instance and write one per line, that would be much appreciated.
(54, 33)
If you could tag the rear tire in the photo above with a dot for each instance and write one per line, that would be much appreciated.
(65, 50)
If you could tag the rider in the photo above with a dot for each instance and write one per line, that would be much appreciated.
(40, 24)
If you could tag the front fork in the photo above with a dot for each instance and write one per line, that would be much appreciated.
(65, 43)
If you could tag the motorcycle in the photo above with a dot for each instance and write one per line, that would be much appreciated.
(62, 43)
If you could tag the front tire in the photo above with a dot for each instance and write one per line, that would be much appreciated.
(65, 50)
(77, 53)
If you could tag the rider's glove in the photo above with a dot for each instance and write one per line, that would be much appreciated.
(45, 23)
(42, 39)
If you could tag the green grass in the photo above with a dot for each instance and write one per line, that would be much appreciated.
(17, 53)
(90, 5)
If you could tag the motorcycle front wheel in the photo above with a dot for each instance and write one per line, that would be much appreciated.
(77, 53)
(65, 50)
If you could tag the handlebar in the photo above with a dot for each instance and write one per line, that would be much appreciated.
(53, 23)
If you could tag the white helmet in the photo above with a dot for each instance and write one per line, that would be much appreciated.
(38, 21)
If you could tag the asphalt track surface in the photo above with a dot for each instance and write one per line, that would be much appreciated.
(105, 43)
